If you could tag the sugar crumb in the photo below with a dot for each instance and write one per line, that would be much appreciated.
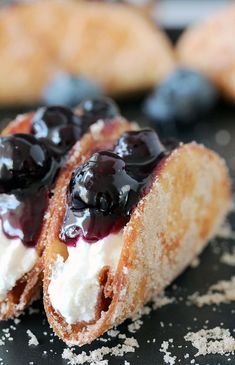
(33, 341)
(96, 357)
(212, 341)
(168, 358)
(221, 292)
(228, 258)
(195, 263)
(225, 231)
(162, 300)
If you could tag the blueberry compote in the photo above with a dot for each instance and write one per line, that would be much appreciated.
(91, 110)
(58, 127)
(104, 190)
(29, 164)
(26, 171)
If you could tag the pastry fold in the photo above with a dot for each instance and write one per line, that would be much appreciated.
(171, 224)
(113, 44)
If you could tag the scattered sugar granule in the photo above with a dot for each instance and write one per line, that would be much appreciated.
(126, 363)
(16, 321)
(212, 341)
(225, 231)
(135, 326)
(122, 336)
(168, 358)
(229, 258)
(195, 263)
(136, 319)
(161, 300)
(33, 341)
(221, 292)
(113, 333)
(96, 357)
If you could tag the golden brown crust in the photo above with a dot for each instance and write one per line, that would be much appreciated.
(129, 54)
(22, 124)
(170, 226)
(209, 47)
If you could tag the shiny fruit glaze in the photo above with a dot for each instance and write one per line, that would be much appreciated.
(104, 191)
(29, 164)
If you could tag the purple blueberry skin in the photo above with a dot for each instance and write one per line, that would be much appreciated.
(69, 90)
(182, 98)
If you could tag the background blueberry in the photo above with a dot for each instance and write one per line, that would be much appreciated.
(69, 90)
(182, 98)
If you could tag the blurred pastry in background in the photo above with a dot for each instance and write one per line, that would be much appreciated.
(113, 45)
(210, 48)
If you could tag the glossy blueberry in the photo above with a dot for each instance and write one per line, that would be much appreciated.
(92, 109)
(138, 147)
(105, 189)
(69, 90)
(59, 125)
(182, 98)
(23, 160)
(100, 197)
(102, 183)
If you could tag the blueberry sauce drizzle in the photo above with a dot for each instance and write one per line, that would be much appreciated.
(26, 173)
(104, 191)
(29, 164)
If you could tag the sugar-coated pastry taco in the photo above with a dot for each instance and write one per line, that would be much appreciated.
(33, 149)
(209, 47)
(128, 215)
(112, 44)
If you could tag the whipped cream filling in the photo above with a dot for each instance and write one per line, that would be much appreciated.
(74, 286)
(15, 261)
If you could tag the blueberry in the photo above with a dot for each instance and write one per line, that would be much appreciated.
(102, 183)
(105, 189)
(58, 125)
(100, 197)
(182, 98)
(92, 109)
(23, 160)
(138, 147)
(69, 90)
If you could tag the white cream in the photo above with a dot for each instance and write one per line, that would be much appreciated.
(15, 260)
(74, 285)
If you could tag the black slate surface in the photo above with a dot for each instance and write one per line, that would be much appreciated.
(172, 321)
